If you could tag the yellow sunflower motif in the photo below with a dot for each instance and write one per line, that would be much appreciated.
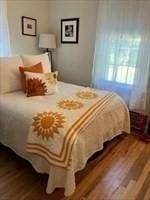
(86, 95)
(48, 123)
(70, 105)
(52, 77)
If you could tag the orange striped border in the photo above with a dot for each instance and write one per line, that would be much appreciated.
(62, 159)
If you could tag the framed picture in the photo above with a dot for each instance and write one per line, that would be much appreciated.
(70, 30)
(29, 26)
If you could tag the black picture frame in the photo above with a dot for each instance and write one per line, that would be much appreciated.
(70, 30)
(29, 26)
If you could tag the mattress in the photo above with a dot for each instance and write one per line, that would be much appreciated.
(16, 111)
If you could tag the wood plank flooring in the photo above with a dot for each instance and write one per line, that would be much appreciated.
(120, 172)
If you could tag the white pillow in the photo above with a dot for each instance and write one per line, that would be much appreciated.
(29, 60)
(9, 74)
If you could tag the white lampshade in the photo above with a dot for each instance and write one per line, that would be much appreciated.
(47, 41)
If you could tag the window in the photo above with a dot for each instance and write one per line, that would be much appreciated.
(122, 58)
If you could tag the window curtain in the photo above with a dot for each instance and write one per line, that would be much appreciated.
(5, 49)
(122, 50)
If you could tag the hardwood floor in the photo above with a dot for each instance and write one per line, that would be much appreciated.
(120, 172)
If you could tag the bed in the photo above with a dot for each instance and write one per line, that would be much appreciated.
(16, 119)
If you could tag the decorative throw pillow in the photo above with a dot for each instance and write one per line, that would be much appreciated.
(29, 60)
(34, 68)
(9, 74)
(41, 84)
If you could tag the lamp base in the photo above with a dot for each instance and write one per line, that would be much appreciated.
(50, 58)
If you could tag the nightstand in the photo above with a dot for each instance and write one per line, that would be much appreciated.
(140, 125)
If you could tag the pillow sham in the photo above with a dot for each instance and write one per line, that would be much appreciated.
(9, 74)
(41, 84)
(37, 68)
(34, 59)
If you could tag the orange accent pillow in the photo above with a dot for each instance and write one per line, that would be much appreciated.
(38, 68)
(41, 84)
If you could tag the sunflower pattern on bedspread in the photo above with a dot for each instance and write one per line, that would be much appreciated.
(54, 131)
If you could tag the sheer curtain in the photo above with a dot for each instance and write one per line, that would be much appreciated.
(122, 50)
(5, 49)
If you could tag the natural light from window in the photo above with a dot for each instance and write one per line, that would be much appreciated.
(123, 53)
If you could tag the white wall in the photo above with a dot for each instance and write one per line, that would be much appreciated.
(74, 61)
(38, 9)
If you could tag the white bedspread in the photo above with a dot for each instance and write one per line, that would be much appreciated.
(16, 112)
